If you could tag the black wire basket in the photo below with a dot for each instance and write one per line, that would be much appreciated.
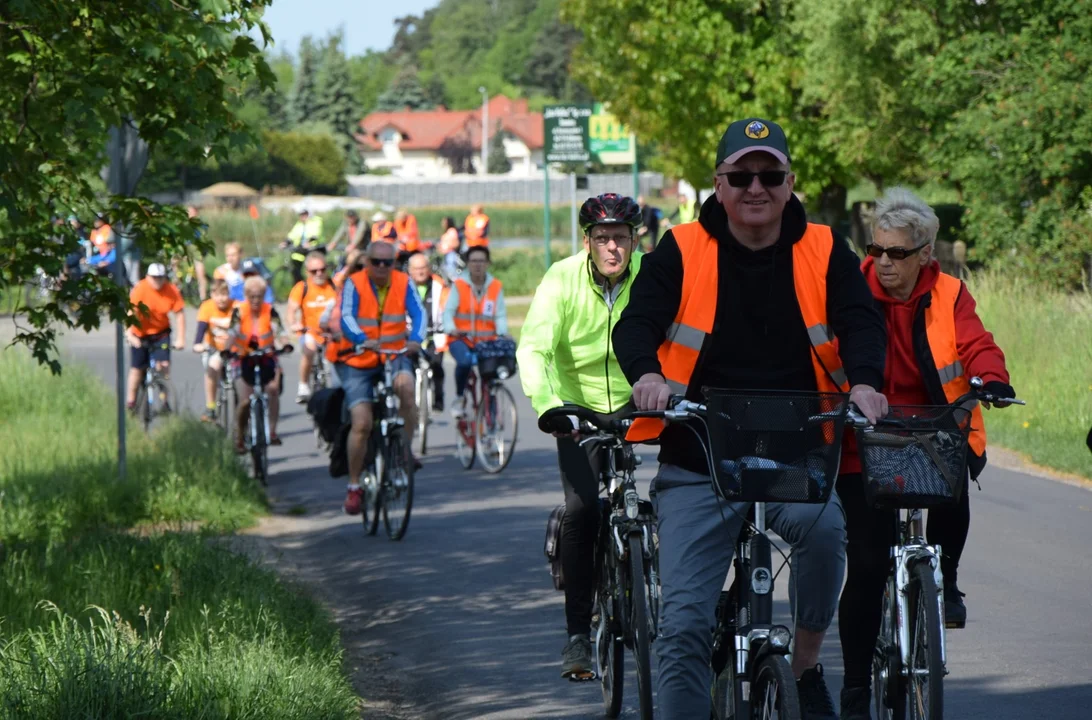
(496, 358)
(775, 446)
(916, 457)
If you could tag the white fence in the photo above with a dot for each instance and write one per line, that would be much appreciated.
(465, 190)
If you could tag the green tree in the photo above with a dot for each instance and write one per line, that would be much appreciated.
(497, 161)
(405, 91)
(333, 92)
(370, 75)
(72, 70)
(303, 100)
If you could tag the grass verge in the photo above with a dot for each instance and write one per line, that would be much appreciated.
(102, 612)
(1046, 339)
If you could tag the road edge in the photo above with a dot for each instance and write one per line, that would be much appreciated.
(1008, 459)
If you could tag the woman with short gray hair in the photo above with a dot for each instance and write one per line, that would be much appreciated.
(935, 344)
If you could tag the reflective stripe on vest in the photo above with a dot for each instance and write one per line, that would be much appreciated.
(471, 317)
(682, 346)
(387, 326)
(940, 331)
(263, 331)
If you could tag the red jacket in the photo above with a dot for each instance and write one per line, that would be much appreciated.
(910, 377)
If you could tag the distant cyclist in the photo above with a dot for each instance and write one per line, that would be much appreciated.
(433, 291)
(213, 336)
(566, 356)
(256, 327)
(305, 235)
(306, 303)
(156, 302)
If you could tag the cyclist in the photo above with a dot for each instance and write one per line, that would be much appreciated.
(306, 303)
(231, 271)
(450, 242)
(409, 237)
(305, 235)
(755, 297)
(255, 325)
(198, 259)
(213, 336)
(565, 356)
(474, 312)
(377, 306)
(383, 229)
(155, 303)
(433, 292)
(352, 229)
(104, 243)
(476, 227)
(936, 341)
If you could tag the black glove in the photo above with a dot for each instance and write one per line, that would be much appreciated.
(999, 389)
(556, 423)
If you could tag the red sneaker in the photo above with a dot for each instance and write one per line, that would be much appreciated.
(354, 501)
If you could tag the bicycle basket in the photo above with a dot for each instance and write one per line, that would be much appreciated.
(916, 458)
(496, 358)
(775, 446)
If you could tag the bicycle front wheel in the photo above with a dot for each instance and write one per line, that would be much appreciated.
(397, 487)
(610, 648)
(424, 407)
(640, 623)
(465, 442)
(888, 684)
(373, 485)
(258, 452)
(773, 692)
(925, 681)
(496, 427)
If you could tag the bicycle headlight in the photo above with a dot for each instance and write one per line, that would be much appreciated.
(502, 373)
(780, 637)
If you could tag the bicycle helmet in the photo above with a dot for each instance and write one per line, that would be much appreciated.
(609, 209)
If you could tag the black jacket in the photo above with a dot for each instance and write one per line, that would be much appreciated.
(759, 340)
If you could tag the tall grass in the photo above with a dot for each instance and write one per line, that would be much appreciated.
(1047, 339)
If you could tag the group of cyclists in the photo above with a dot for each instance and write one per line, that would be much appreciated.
(746, 294)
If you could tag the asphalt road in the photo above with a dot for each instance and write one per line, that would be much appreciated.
(460, 620)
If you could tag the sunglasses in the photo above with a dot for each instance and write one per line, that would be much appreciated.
(316, 271)
(743, 178)
(381, 262)
(895, 253)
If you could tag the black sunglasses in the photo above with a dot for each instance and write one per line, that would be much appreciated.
(743, 178)
(381, 262)
(895, 253)
(316, 271)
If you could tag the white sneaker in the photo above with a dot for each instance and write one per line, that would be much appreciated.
(458, 412)
(303, 393)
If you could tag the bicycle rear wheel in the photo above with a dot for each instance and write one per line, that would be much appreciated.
(888, 685)
(496, 427)
(465, 442)
(925, 681)
(773, 692)
(640, 624)
(397, 487)
(225, 410)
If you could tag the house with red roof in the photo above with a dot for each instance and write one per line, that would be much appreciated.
(442, 142)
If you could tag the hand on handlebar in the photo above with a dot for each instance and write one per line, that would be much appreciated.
(872, 404)
(199, 348)
(1000, 392)
(651, 392)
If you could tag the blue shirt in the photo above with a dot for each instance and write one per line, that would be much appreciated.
(235, 292)
(350, 305)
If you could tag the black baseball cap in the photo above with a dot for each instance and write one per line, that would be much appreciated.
(752, 135)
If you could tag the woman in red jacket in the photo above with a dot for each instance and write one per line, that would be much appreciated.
(923, 308)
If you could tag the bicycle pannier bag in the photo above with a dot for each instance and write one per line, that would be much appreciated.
(552, 547)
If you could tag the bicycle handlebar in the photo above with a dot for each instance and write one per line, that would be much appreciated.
(363, 347)
(977, 394)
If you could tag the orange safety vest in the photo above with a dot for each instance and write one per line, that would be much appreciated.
(474, 230)
(100, 238)
(440, 291)
(698, 307)
(476, 318)
(383, 230)
(260, 327)
(390, 329)
(940, 331)
(408, 237)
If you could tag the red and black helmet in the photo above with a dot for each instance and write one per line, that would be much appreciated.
(609, 209)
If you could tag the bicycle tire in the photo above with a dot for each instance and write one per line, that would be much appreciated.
(465, 442)
(258, 451)
(423, 410)
(166, 395)
(925, 701)
(224, 410)
(610, 648)
(282, 283)
(640, 624)
(396, 517)
(372, 509)
(888, 684)
(499, 408)
(141, 406)
(773, 690)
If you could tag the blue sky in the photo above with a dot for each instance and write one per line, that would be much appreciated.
(369, 24)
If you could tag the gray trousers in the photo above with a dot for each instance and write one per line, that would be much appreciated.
(696, 549)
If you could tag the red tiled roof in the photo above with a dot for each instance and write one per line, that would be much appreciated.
(428, 129)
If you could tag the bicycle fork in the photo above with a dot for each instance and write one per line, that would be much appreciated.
(906, 557)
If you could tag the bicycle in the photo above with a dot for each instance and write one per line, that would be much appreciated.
(226, 396)
(257, 436)
(914, 459)
(319, 379)
(769, 447)
(494, 414)
(154, 395)
(389, 487)
(423, 393)
(627, 596)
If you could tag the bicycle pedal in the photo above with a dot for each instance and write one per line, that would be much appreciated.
(581, 677)
(954, 625)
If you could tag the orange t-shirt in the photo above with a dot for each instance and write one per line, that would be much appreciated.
(313, 305)
(219, 334)
(159, 304)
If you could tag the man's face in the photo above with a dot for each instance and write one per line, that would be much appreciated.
(610, 247)
(419, 269)
(254, 299)
(478, 265)
(234, 257)
(316, 271)
(380, 260)
(222, 300)
(304, 215)
(99, 222)
(757, 204)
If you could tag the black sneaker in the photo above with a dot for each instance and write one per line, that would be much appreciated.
(855, 703)
(955, 611)
(815, 700)
(576, 659)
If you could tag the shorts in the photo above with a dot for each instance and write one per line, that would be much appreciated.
(156, 348)
(315, 338)
(359, 383)
(267, 371)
